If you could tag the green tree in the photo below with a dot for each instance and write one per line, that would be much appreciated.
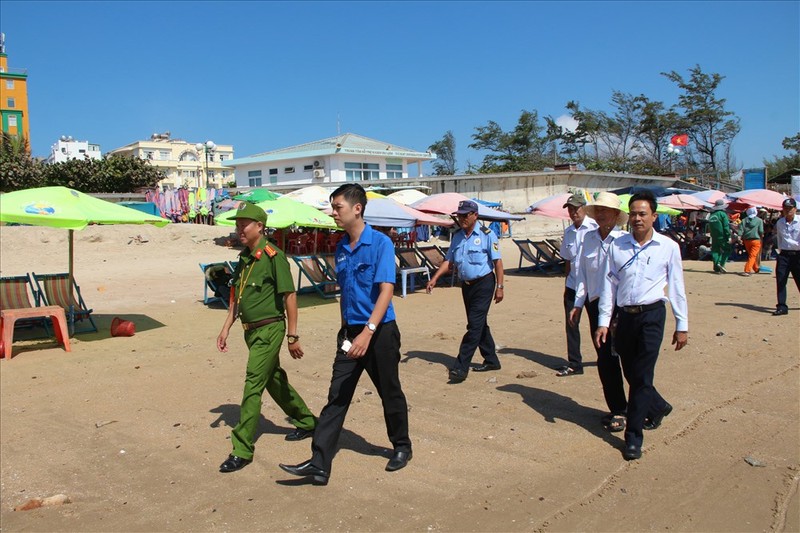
(779, 165)
(656, 128)
(17, 169)
(521, 149)
(445, 150)
(711, 127)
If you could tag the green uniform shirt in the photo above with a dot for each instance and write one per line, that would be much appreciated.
(259, 282)
(751, 228)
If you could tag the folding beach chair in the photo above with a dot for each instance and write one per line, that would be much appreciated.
(216, 277)
(409, 265)
(434, 257)
(54, 289)
(526, 253)
(16, 311)
(548, 258)
(317, 273)
(555, 247)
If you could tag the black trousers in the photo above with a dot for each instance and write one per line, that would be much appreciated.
(608, 367)
(784, 265)
(477, 300)
(381, 363)
(637, 341)
(573, 332)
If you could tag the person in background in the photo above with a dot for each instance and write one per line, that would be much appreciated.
(751, 230)
(720, 228)
(788, 231)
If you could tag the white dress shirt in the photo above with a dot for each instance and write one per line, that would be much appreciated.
(571, 248)
(788, 234)
(593, 262)
(636, 275)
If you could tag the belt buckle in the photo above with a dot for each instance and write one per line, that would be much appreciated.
(635, 309)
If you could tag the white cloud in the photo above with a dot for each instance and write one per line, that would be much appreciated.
(567, 122)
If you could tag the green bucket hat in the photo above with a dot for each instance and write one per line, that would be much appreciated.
(251, 211)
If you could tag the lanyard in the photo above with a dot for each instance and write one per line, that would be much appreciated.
(244, 282)
(632, 259)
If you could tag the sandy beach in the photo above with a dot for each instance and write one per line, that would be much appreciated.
(132, 429)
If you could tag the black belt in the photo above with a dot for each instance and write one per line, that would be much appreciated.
(790, 252)
(258, 323)
(476, 280)
(636, 309)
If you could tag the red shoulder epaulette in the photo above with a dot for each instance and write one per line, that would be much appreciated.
(272, 252)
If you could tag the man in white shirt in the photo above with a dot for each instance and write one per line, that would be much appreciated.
(606, 211)
(788, 231)
(639, 265)
(571, 252)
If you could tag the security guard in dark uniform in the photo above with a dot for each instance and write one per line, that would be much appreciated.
(476, 254)
(261, 278)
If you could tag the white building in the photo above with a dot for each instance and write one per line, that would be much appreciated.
(347, 157)
(68, 148)
(185, 164)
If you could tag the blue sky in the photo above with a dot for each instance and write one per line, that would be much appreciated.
(265, 75)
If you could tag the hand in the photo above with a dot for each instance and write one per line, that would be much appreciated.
(600, 336)
(498, 295)
(431, 284)
(222, 341)
(574, 316)
(680, 339)
(295, 350)
(360, 345)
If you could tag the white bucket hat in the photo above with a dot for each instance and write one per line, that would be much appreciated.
(611, 200)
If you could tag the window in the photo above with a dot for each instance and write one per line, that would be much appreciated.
(306, 168)
(223, 157)
(362, 171)
(273, 179)
(10, 103)
(12, 121)
(148, 154)
(224, 174)
(163, 155)
(273, 172)
(9, 84)
(188, 173)
(394, 171)
(255, 182)
(188, 156)
(253, 173)
(288, 170)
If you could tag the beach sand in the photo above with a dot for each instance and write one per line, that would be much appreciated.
(132, 429)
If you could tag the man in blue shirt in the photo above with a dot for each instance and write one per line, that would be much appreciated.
(476, 254)
(368, 339)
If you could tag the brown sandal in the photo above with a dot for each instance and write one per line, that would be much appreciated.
(615, 424)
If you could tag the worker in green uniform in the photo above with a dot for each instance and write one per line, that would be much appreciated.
(263, 297)
(720, 228)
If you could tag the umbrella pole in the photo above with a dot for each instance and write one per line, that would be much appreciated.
(71, 275)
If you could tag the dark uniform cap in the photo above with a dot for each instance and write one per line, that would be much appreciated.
(251, 211)
(789, 203)
(576, 200)
(466, 206)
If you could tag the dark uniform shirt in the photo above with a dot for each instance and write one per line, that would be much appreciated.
(260, 278)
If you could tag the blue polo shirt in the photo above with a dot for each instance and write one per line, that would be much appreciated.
(360, 272)
(474, 256)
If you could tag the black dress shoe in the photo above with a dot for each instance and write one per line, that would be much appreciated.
(318, 475)
(233, 463)
(779, 312)
(656, 421)
(457, 376)
(632, 452)
(299, 434)
(486, 367)
(398, 461)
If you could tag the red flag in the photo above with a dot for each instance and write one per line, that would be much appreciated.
(680, 140)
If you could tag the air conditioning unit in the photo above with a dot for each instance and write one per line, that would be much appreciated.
(319, 173)
(319, 164)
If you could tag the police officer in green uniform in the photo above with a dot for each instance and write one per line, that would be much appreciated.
(261, 277)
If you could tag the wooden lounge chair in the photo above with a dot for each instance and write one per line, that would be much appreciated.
(409, 265)
(317, 273)
(434, 257)
(16, 309)
(216, 277)
(54, 289)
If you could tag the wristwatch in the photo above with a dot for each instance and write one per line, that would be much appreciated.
(293, 338)
(371, 327)
(500, 286)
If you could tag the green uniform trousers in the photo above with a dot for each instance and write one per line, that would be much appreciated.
(264, 372)
(720, 250)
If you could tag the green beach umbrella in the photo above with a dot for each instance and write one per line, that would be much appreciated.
(662, 209)
(257, 195)
(284, 212)
(61, 207)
